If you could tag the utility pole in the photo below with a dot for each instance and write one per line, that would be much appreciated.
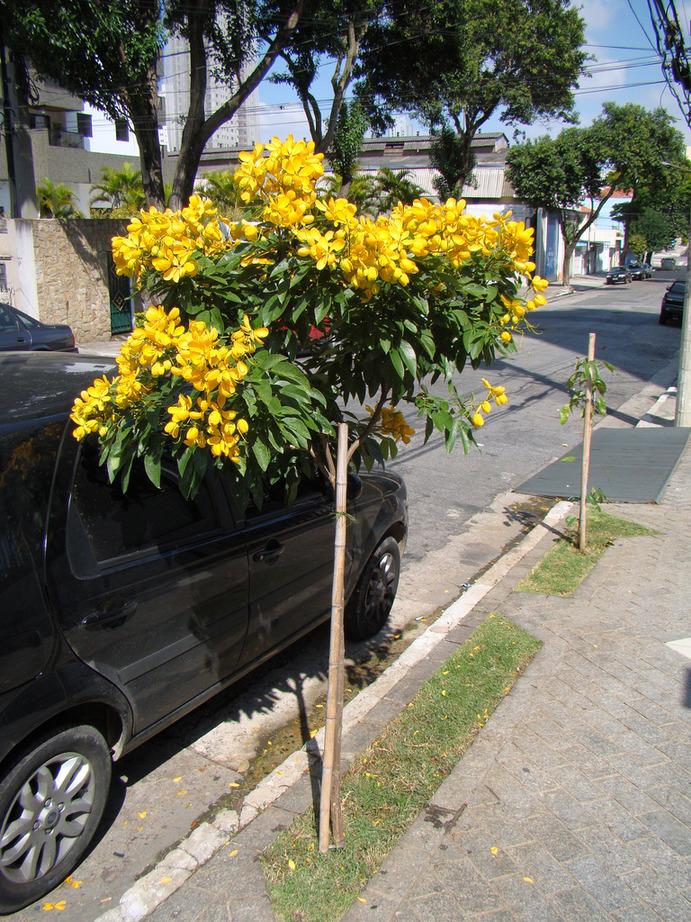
(20, 159)
(683, 412)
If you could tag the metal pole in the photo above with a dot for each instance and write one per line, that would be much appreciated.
(683, 413)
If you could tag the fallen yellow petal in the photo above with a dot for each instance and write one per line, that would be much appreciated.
(529, 880)
(233, 853)
(75, 884)
(177, 780)
(291, 864)
(313, 733)
(180, 793)
(143, 814)
(233, 784)
(61, 905)
(494, 850)
(48, 907)
(166, 880)
(362, 900)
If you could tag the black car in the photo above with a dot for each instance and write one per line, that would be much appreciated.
(647, 270)
(673, 302)
(636, 271)
(21, 333)
(618, 275)
(119, 614)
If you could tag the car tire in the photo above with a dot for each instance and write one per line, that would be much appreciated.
(51, 803)
(370, 604)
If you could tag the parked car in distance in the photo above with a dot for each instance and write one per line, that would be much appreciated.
(21, 333)
(636, 271)
(618, 275)
(673, 302)
(647, 270)
(668, 262)
(121, 613)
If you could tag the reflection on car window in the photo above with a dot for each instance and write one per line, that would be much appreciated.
(116, 525)
(7, 321)
(311, 489)
(28, 321)
(678, 288)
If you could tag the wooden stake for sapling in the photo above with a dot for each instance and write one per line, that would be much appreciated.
(330, 798)
(587, 437)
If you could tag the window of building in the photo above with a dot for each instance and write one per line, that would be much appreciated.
(40, 121)
(3, 277)
(84, 125)
(122, 130)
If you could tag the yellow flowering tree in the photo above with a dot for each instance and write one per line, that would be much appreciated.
(263, 328)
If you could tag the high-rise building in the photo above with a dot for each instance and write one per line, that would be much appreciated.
(241, 131)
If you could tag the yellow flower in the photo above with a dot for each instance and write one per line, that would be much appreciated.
(478, 420)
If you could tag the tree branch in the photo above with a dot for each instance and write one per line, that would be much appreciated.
(371, 423)
(340, 80)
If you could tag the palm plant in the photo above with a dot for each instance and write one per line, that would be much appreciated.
(120, 192)
(393, 186)
(222, 190)
(56, 200)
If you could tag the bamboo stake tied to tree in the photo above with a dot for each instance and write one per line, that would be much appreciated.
(587, 439)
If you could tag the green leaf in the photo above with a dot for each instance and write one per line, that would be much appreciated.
(408, 355)
(152, 466)
(395, 359)
(568, 458)
(261, 453)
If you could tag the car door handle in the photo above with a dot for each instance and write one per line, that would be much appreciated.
(270, 553)
(110, 616)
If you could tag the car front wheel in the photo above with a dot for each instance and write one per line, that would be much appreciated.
(373, 597)
(51, 802)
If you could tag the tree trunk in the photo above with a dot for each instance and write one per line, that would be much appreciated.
(569, 249)
(193, 141)
(143, 108)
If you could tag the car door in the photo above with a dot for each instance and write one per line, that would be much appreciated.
(290, 557)
(13, 336)
(150, 589)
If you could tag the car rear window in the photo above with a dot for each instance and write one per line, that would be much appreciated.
(678, 288)
(118, 525)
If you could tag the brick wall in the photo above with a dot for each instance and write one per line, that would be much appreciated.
(72, 274)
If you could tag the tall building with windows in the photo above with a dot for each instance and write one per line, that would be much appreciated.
(241, 131)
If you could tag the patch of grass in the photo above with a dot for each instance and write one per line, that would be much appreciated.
(564, 567)
(395, 777)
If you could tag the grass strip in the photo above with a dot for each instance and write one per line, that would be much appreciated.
(392, 781)
(564, 567)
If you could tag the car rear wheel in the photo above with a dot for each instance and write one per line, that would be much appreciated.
(663, 318)
(370, 604)
(51, 802)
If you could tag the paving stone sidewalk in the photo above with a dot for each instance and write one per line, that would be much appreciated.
(573, 801)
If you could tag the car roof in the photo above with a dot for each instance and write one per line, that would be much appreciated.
(41, 385)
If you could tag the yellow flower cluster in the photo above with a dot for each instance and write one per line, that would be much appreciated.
(164, 349)
(368, 252)
(496, 393)
(168, 241)
(284, 175)
(392, 422)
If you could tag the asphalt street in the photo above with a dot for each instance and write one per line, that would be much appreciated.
(161, 790)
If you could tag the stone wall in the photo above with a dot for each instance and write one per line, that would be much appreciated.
(71, 260)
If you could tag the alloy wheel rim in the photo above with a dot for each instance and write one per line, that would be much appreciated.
(47, 817)
(380, 589)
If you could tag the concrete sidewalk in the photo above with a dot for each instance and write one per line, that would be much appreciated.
(573, 801)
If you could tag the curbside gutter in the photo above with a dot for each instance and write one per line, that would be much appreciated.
(150, 891)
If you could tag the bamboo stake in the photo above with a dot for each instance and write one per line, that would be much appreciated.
(587, 437)
(330, 798)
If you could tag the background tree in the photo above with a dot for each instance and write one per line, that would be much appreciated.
(112, 63)
(56, 200)
(393, 186)
(220, 187)
(330, 31)
(626, 148)
(347, 142)
(118, 191)
(455, 63)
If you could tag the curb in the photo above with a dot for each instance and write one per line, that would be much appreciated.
(150, 891)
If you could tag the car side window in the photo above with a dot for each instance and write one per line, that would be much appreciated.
(311, 490)
(28, 321)
(7, 322)
(115, 525)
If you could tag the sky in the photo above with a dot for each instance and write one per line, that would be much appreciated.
(625, 67)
